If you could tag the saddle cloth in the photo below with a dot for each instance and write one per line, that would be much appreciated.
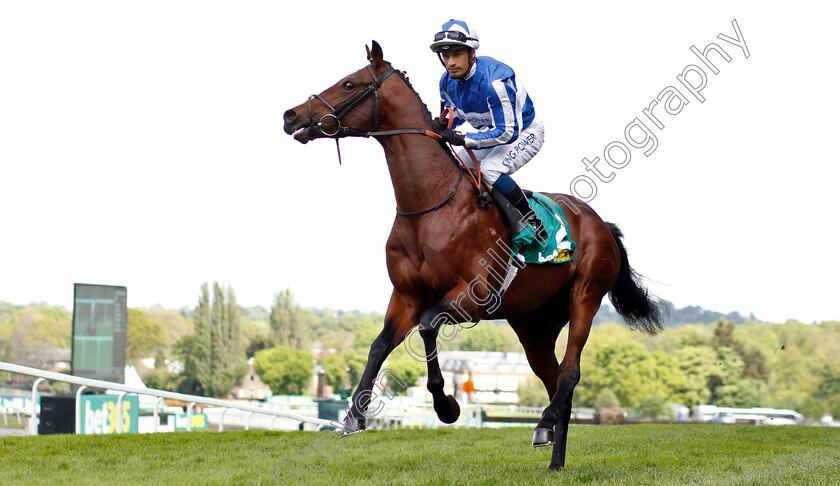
(557, 248)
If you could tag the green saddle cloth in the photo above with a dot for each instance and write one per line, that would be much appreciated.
(558, 248)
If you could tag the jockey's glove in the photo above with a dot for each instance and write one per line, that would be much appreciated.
(453, 137)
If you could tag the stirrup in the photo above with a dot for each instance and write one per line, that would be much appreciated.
(539, 230)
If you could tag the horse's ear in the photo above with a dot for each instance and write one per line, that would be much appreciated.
(374, 54)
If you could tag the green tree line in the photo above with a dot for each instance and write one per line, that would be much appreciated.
(791, 365)
(788, 365)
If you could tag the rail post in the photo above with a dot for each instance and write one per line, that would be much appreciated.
(119, 412)
(33, 416)
(189, 416)
(222, 420)
(156, 415)
(79, 409)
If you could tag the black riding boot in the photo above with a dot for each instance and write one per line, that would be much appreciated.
(520, 202)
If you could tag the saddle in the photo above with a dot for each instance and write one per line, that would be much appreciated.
(558, 248)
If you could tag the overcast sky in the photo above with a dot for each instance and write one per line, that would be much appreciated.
(141, 144)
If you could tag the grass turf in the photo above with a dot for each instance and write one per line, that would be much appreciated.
(631, 454)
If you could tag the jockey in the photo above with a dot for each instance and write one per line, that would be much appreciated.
(485, 93)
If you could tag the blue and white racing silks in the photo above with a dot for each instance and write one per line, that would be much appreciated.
(491, 100)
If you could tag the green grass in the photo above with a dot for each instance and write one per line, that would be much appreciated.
(631, 454)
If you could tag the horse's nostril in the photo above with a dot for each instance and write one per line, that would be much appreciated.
(289, 116)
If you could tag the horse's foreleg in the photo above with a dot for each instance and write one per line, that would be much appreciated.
(446, 407)
(355, 421)
(398, 321)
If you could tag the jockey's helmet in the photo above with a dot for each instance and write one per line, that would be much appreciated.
(455, 34)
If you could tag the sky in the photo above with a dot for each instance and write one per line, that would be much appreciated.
(141, 145)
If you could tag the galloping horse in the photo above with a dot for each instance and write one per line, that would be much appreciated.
(438, 248)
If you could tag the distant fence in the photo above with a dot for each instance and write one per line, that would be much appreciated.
(604, 416)
(192, 400)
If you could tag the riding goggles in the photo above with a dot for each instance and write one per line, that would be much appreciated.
(453, 35)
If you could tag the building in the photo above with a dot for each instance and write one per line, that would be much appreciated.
(252, 387)
(496, 375)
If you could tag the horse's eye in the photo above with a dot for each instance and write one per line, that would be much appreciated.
(349, 85)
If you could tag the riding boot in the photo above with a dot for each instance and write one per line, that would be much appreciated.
(520, 202)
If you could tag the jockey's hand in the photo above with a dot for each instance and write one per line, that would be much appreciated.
(453, 137)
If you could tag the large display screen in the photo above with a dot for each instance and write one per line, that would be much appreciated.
(99, 325)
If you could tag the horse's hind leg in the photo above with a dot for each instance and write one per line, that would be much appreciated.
(538, 336)
(398, 321)
(582, 310)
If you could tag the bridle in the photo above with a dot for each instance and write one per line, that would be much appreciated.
(348, 106)
(339, 112)
(342, 131)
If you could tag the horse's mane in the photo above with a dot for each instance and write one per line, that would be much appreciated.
(404, 76)
(428, 114)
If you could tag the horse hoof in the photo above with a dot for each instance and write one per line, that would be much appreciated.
(352, 426)
(542, 437)
(449, 411)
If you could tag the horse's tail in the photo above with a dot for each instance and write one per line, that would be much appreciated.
(631, 299)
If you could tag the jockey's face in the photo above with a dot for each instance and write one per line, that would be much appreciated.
(458, 62)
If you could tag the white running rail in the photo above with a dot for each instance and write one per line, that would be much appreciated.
(44, 375)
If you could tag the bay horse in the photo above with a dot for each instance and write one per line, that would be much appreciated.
(438, 250)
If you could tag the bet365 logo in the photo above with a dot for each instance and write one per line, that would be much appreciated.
(105, 419)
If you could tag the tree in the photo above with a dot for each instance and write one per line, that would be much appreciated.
(813, 408)
(219, 351)
(532, 393)
(257, 341)
(724, 333)
(606, 398)
(5, 341)
(697, 363)
(728, 371)
(829, 385)
(186, 349)
(160, 378)
(355, 366)
(613, 367)
(284, 370)
(632, 373)
(746, 392)
(407, 368)
(173, 323)
(363, 338)
(31, 332)
(756, 359)
(286, 321)
(654, 407)
(335, 370)
(486, 337)
(144, 338)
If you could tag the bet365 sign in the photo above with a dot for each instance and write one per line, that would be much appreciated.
(100, 414)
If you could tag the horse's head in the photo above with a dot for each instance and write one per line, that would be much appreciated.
(349, 108)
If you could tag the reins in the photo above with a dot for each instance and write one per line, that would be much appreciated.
(447, 113)
(373, 89)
